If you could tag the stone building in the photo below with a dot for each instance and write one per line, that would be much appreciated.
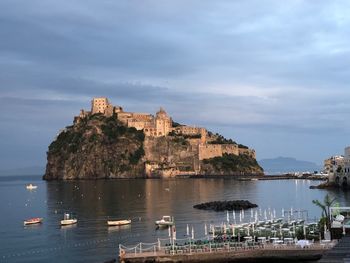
(340, 171)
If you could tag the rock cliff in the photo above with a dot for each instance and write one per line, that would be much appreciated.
(97, 147)
(100, 147)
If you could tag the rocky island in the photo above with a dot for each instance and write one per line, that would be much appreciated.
(108, 142)
(226, 205)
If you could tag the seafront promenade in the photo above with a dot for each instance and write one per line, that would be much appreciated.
(210, 251)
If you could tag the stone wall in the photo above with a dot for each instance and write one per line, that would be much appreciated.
(207, 151)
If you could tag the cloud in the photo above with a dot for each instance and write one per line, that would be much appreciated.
(257, 71)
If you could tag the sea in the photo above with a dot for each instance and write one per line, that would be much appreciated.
(142, 201)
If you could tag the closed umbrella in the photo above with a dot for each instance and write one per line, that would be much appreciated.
(205, 229)
(234, 216)
(282, 212)
(227, 217)
(187, 230)
(192, 233)
(233, 230)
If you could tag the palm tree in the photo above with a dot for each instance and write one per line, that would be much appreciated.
(327, 203)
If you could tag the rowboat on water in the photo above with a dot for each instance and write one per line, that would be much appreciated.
(165, 221)
(68, 219)
(118, 222)
(33, 221)
(31, 187)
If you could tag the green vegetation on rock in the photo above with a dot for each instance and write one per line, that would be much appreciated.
(96, 147)
(230, 163)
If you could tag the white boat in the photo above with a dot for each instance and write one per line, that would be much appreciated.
(31, 186)
(165, 221)
(33, 221)
(118, 222)
(68, 220)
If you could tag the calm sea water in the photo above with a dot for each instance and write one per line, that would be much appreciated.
(143, 201)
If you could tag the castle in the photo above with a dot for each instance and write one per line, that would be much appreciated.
(163, 125)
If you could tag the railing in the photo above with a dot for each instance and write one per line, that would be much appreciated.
(210, 246)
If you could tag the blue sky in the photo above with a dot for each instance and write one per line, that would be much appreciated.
(273, 75)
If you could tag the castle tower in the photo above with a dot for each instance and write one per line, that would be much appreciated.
(99, 105)
(203, 135)
(163, 123)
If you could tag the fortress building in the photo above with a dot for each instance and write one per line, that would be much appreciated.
(161, 124)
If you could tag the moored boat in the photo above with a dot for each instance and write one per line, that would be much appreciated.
(165, 221)
(33, 221)
(118, 222)
(68, 220)
(31, 186)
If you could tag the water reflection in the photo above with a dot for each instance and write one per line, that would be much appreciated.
(142, 201)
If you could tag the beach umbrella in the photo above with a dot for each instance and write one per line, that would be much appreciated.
(291, 211)
(233, 230)
(274, 213)
(234, 216)
(253, 229)
(271, 217)
(248, 230)
(260, 212)
(225, 229)
(169, 231)
(187, 230)
(256, 217)
(265, 216)
(174, 233)
(304, 230)
(281, 230)
(251, 213)
(227, 217)
(240, 216)
(192, 233)
(213, 231)
(205, 229)
(282, 212)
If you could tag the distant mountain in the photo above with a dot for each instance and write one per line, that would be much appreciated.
(33, 170)
(287, 164)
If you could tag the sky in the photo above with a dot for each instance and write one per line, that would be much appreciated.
(272, 75)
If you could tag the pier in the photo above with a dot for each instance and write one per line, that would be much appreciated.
(225, 252)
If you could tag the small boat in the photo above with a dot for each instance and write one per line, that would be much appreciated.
(165, 221)
(68, 220)
(31, 186)
(33, 221)
(118, 222)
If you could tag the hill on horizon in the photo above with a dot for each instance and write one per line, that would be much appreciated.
(287, 164)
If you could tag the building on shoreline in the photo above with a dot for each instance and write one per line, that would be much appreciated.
(339, 168)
